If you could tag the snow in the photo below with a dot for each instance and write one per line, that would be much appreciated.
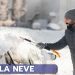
(64, 62)
(54, 26)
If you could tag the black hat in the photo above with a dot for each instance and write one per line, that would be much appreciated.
(70, 14)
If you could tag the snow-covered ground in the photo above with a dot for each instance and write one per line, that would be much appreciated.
(64, 62)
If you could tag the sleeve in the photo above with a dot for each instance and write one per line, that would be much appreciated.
(58, 45)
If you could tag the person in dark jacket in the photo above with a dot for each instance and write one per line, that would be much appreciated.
(68, 38)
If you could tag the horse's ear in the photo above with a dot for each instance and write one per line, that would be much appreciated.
(8, 58)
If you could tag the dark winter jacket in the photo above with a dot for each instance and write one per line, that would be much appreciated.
(68, 39)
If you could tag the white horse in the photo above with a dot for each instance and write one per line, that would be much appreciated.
(24, 52)
(13, 47)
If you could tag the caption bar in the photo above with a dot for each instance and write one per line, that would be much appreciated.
(28, 69)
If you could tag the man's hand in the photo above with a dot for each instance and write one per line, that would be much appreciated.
(41, 45)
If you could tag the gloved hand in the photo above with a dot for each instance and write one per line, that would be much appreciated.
(41, 45)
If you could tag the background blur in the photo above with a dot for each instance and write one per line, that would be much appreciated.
(34, 13)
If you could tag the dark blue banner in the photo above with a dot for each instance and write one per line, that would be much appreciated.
(28, 69)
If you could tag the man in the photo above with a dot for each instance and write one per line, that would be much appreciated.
(68, 39)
